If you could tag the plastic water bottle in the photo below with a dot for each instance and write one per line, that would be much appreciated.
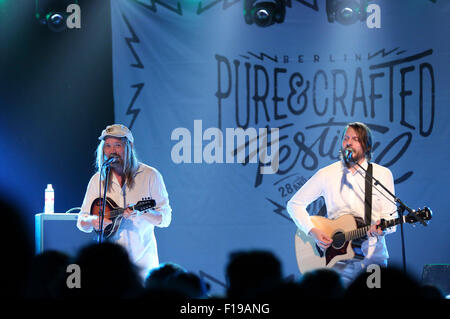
(49, 206)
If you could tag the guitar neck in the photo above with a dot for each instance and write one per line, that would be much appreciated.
(116, 212)
(119, 211)
(357, 233)
(362, 231)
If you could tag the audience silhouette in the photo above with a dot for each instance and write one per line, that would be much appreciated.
(106, 271)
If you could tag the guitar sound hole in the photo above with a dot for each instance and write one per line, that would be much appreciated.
(338, 240)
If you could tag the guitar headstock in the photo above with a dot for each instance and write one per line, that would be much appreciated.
(425, 213)
(145, 204)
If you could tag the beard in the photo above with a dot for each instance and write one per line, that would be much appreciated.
(354, 157)
(118, 163)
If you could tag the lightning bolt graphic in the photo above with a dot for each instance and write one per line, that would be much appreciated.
(226, 5)
(383, 53)
(152, 7)
(130, 110)
(279, 209)
(133, 39)
(262, 55)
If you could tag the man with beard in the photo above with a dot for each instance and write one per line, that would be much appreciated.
(129, 181)
(342, 185)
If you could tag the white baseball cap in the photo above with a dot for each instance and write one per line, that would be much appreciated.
(117, 130)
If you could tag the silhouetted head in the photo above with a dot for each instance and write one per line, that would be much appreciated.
(159, 276)
(392, 283)
(189, 284)
(323, 283)
(106, 270)
(252, 273)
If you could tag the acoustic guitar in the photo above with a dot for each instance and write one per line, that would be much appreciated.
(115, 213)
(343, 231)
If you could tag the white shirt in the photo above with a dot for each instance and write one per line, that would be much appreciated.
(343, 192)
(136, 234)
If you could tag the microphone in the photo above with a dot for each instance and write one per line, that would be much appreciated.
(348, 155)
(110, 160)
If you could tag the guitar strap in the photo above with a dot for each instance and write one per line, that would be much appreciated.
(368, 195)
(357, 244)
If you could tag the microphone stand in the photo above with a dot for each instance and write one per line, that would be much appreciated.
(102, 211)
(401, 207)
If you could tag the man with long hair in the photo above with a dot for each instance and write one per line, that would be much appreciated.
(343, 187)
(129, 181)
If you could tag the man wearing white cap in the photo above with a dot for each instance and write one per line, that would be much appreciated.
(129, 182)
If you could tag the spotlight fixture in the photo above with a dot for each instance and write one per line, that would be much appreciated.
(52, 13)
(346, 12)
(56, 21)
(264, 13)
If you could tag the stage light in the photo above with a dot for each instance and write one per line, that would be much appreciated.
(264, 13)
(53, 13)
(56, 21)
(346, 12)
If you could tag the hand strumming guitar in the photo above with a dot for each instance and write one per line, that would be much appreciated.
(94, 221)
(322, 240)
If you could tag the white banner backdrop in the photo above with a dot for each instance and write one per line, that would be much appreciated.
(186, 71)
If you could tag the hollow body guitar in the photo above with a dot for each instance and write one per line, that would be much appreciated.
(115, 213)
(344, 231)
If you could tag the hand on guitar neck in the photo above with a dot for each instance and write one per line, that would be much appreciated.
(375, 230)
(129, 212)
